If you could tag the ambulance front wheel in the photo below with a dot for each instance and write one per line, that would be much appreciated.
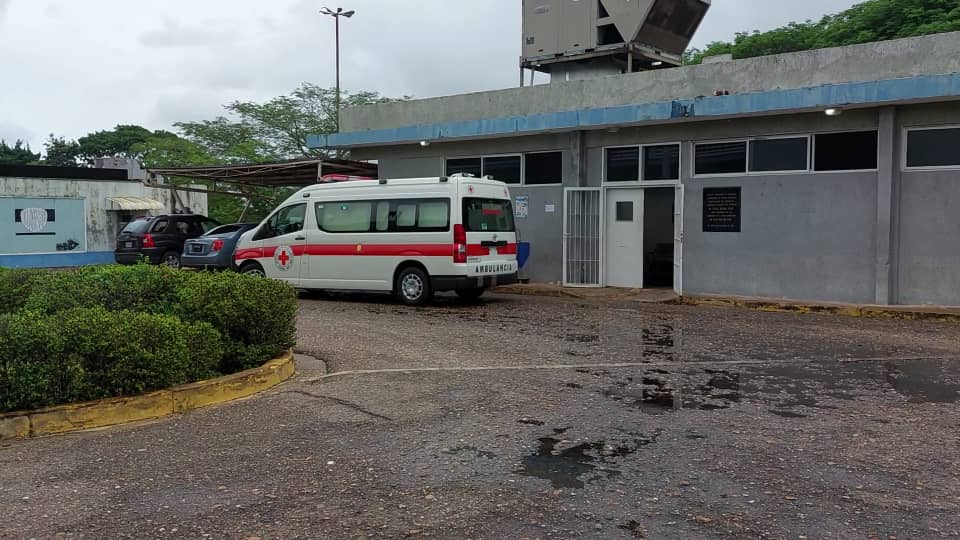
(413, 286)
(252, 269)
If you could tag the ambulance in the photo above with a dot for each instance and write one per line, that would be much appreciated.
(411, 237)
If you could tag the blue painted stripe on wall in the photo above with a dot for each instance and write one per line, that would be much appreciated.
(835, 95)
(56, 260)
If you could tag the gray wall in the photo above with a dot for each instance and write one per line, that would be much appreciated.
(814, 236)
(928, 238)
(937, 54)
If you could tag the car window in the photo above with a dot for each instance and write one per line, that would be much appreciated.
(136, 226)
(182, 227)
(160, 226)
(195, 228)
(224, 229)
(208, 225)
(285, 221)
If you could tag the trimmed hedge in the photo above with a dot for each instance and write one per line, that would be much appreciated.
(111, 331)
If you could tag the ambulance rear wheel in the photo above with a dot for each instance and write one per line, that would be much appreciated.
(253, 269)
(413, 286)
(471, 295)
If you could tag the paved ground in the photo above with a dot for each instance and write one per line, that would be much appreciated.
(530, 417)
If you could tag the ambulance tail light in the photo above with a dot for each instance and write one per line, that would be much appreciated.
(148, 241)
(459, 244)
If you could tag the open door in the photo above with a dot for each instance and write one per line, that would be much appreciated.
(678, 241)
(582, 236)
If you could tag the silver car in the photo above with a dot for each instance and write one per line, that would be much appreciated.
(214, 250)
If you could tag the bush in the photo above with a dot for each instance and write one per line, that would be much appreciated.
(257, 317)
(111, 331)
(91, 353)
(15, 287)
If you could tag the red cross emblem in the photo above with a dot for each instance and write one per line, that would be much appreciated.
(283, 257)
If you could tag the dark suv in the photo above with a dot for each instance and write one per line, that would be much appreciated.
(159, 239)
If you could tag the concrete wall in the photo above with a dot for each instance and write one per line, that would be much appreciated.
(101, 223)
(928, 231)
(937, 54)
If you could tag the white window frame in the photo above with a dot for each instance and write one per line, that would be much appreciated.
(748, 140)
(905, 148)
(523, 166)
(813, 156)
(641, 182)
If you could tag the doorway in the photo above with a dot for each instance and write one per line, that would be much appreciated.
(641, 237)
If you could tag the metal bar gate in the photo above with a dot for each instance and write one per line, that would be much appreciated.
(582, 237)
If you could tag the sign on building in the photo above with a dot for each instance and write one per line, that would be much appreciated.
(722, 209)
(42, 225)
(521, 207)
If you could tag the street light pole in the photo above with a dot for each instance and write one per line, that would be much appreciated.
(336, 17)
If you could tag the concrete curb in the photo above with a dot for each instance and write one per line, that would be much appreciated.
(844, 310)
(115, 411)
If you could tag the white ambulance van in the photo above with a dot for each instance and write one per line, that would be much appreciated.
(411, 237)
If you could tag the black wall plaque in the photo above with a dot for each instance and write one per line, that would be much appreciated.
(721, 209)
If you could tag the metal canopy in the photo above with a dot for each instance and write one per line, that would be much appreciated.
(302, 172)
(118, 204)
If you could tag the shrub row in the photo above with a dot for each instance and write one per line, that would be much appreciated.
(111, 331)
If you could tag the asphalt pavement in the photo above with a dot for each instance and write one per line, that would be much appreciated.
(528, 417)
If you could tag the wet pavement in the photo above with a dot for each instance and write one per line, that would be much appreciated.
(536, 418)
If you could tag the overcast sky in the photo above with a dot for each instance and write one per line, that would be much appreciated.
(71, 67)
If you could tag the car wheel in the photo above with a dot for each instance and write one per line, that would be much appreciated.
(471, 295)
(171, 259)
(413, 287)
(253, 269)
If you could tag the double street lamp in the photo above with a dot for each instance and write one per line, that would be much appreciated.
(336, 17)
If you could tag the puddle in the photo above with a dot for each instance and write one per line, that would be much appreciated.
(530, 422)
(657, 394)
(659, 336)
(574, 386)
(788, 414)
(582, 338)
(633, 527)
(923, 382)
(575, 466)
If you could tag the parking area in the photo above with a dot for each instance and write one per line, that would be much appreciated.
(528, 417)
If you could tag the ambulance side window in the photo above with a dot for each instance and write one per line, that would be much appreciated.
(285, 221)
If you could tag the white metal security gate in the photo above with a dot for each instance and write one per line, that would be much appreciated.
(582, 237)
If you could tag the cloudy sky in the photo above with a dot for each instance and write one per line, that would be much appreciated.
(74, 66)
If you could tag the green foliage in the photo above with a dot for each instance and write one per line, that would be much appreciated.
(110, 331)
(61, 152)
(120, 141)
(15, 287)
(94, 353)
(18, 154)
(257, 317)
(873, 20)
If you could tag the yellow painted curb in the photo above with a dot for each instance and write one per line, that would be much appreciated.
(844, 310)
(114, 411)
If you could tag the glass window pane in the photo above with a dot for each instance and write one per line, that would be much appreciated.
(407, 215)
(721, 158)
(434, 215)
(464, 166)
(383, 216)
(624, 210)
(487, 215)
(623, 164)
(344, 216)
(505, 169)
(544, 168)
(933, 148)
(661, 162)
(846, 151)
(779, 154)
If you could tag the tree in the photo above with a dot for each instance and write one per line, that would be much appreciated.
(276, 129)
(873, 20)
(118, 142)
(18, 154)
(61, 152)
